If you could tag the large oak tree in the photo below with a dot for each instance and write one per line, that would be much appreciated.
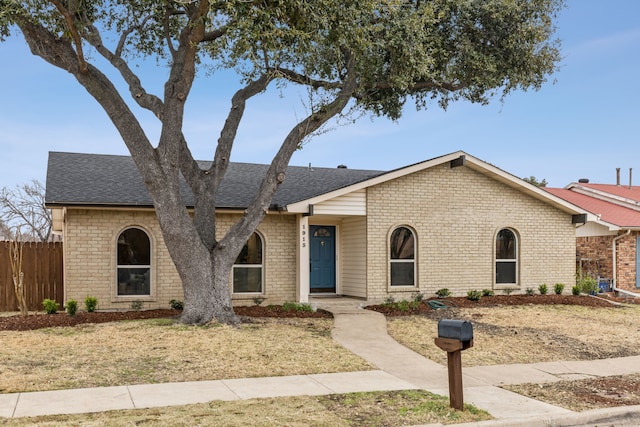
(352, 56)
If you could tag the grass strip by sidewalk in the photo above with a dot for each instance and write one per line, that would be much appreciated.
(389, 409)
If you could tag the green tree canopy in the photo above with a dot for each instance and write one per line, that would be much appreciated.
(533, 180)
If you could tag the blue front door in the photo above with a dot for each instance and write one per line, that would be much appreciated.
(323, 259)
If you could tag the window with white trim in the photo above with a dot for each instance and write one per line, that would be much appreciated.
(402, 257)
(506, 257)
(134, 263)
(248, 268)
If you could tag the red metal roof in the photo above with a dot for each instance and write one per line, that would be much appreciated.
(608, 211)
(632, 193)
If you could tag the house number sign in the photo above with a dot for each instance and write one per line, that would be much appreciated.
(303, 235)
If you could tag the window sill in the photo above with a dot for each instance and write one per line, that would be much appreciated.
(133, 298)
(401, 288)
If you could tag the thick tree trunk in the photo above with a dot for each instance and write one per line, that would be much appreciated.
(204, 273)
(207, 295)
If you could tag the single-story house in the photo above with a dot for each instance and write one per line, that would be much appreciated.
(608, 247)
(452, 222)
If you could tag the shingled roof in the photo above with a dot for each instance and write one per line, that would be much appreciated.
(75, 179)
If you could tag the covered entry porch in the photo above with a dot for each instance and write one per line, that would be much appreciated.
(331, 256)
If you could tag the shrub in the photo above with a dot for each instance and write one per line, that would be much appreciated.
(575, 290)
(403, 305)
(507, 291)
(558, 288)
(530, 291)
(418, 298)
(136, 305)
(71, 307)
(90, 303)
(543, 289)
(294, 306)
(176, 304)
(50, 306)
(474, 295)
(443, 293)
(487, 293)
(389, 300)
(258, 300)
(588, 284)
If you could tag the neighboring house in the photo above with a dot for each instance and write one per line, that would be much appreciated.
(451, 222)
(609, 246)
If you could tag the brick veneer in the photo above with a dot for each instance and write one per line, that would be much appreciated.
(626, 262)
(595, 255)
(456, 214)
(90, 258)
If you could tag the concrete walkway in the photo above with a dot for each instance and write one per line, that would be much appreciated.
(364, 333)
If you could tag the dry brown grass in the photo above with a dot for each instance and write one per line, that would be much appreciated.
(585, 394)
(386, 409)
(530, 334)
(155, 351)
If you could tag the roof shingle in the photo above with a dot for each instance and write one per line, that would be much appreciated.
(110, 180)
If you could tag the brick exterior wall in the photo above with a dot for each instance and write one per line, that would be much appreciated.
(626, 262)
(90, 258)
(456, 214)
(595, 255)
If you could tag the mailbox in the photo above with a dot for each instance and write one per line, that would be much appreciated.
(453, 337)
(460, 330)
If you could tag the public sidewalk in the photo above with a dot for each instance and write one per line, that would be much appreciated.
(101, 399)
(364, 333)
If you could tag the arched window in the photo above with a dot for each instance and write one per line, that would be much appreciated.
(134, 262)
(247, 270)
(506, 257)
(402, 257)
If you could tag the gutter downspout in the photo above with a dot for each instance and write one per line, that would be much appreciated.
(615, 276)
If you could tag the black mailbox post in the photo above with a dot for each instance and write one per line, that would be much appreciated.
(453, 337)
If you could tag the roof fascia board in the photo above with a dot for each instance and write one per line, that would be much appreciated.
(138, 208)
(97, 206)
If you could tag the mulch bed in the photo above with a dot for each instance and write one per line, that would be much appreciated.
(41, 320)
(603, 300)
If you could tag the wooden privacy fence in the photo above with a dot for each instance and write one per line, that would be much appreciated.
(43, 276)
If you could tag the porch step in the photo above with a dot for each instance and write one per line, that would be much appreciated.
(338, 303)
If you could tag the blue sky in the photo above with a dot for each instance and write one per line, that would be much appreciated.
(583, 126)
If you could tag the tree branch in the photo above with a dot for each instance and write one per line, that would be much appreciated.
(138, 93)
(306, 80)
(426, 85)
(69, 20)
(25, 208)
(276, 173)
(59, 53)
(204, 184)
